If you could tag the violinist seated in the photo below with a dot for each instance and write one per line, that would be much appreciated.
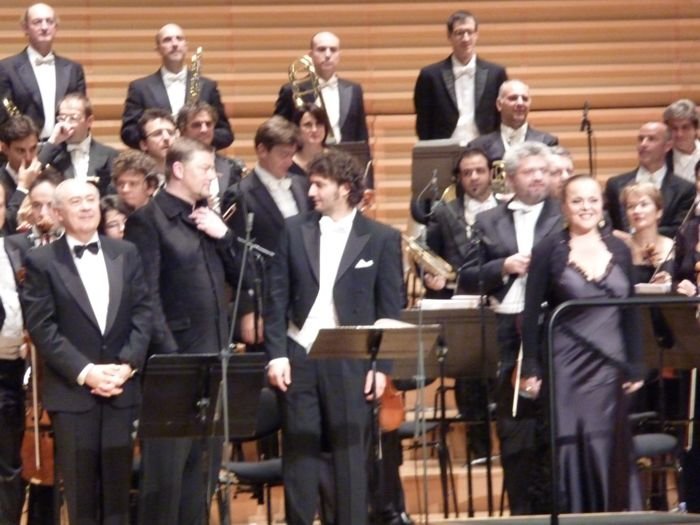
(687, 262)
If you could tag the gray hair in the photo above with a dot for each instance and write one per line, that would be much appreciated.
(515, 155)
(682, 109)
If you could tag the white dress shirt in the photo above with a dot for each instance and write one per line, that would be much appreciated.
(11, 335)
(513, 137)
(524, 219)
(80, 157)
(176, 86)
(464, 74)
(44, 68)
(473, 206)
(280, 190)
(684, 163)
(93, 273)
(656, 177)
(331, 101)
(334, 237)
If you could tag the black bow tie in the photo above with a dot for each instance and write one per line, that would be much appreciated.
(79, 249)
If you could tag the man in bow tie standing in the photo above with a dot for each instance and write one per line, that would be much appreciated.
(342, 99)
(333, 267)
(169, 89)
(88, 312)
(456, 97)
(36, 78)
(508, 233)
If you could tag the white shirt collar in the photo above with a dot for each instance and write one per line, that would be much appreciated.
(512, 136)
(72, 241)
(270, 181)
(344, 224)
(83, 146)
(33, 54)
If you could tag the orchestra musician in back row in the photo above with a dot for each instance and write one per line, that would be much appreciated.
(36, 79)
(89, 315)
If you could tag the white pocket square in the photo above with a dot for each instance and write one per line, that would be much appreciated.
(363, 264)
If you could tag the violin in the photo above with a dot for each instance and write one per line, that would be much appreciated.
(391, 409)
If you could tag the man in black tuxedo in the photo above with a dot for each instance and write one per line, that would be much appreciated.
(88, 312)
(270, 193)
(196, 121)
(456, 97)
(508, 233)
(333, 267)
(72, 150)
(342, 99)
(653, 143)
(188, 256)
(36, 79)
(513, 104)
(169, 89)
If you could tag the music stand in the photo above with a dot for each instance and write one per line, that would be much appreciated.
(460, 332)
(181, 399)
(439, 156)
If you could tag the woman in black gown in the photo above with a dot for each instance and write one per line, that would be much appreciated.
(596, 354)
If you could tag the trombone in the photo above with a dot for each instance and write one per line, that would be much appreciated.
(304, 81)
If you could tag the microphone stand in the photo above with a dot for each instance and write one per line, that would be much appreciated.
(586, 126)
(226, 352)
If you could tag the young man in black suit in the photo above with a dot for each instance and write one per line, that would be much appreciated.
(456, 97)
(513, 104)
(653, 143)
(342, 98)
(88, 312)
(508, 233)
(36, 79)
(168, 89)
(333, 267)
(72, 150)
(188, 256)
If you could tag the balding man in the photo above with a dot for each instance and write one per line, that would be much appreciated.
(88, 312)
(513, 104)
(36, 79)
(653, 143)
(168, 88)
(342, 98)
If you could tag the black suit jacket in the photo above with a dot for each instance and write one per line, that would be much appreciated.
(253, 197)
(492, 143)
(229, 171)
(18, 82)
(368, 286)
(99, 162)
(352, 121)
(498, 241)
(435, 100)
(185, 272)
(149, 92)
(63, 327)
(678, 196)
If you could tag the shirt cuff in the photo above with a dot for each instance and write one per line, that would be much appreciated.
(275, 361)
(83, 375)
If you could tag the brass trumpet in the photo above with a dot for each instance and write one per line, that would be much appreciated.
(304, 81)
(193, 88)
(498, 177)
(10, 108)
(428, 260)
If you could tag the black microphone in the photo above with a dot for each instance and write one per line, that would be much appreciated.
(584, 120)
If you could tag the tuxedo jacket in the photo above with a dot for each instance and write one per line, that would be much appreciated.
(447, 233)
(352, 121)
(65, 331)
(229, 171)
(252, 196)
(492, 143)
(185, 272)
(435, 99)
(100, 161)
(678, 196)
(18, 82)
(149, 92)
(498, 241)
(368, 286)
